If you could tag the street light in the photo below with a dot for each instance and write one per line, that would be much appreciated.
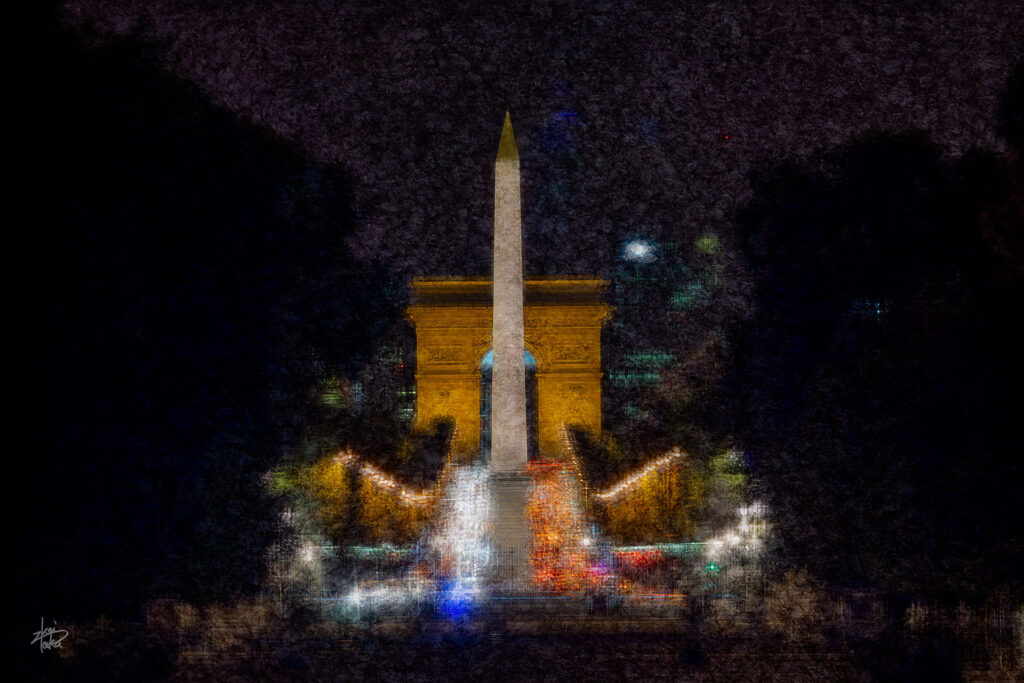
(639, 250)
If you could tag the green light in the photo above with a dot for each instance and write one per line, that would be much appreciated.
(281, 481)
(691, 549)
(638, 379)
(382, 551)
(709, 244)
(332, 392)
(650, 358)
(687, 297)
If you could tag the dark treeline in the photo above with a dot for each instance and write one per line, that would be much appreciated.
(877, 385)
(185, 284)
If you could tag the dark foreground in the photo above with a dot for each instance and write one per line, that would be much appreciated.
(179, 643)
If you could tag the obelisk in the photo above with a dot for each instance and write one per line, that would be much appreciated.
(508, 392)
(509, 485)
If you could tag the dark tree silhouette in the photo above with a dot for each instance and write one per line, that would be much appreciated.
(183, 269)
(877, 385)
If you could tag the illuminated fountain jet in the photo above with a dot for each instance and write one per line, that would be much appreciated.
(460, 549)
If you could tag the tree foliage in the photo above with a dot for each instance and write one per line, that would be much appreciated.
(877, 387)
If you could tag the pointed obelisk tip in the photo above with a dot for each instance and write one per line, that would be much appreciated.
(507, 146)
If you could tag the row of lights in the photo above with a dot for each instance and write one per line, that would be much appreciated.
(624, 486)
(384, 481)
(425, 498)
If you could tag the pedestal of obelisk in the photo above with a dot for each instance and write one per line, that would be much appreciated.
(509, 484)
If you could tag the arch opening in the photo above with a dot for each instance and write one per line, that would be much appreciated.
(486, 367)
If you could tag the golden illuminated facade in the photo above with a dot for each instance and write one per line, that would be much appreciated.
(562, 330)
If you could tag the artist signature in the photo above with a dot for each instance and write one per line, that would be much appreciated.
(48, 638)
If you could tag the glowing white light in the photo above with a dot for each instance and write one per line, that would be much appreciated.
(639, 250)
(746, 537)
(462, 542)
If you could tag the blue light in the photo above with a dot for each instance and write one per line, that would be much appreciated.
(456, 601)
(488, 360)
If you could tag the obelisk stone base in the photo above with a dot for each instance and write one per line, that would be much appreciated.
(511, 538)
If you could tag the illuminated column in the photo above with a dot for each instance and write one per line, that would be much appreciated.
(509, 486)
(508, 391)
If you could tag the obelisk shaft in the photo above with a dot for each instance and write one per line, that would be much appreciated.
(508, 388)
(509, 485)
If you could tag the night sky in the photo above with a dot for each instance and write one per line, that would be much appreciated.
(227, 200)
(647, 117)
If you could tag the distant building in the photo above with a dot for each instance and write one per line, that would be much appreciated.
(656, 289)
(563, 320)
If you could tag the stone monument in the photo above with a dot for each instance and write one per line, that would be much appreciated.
(509, 483)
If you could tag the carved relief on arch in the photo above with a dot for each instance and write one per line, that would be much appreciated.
(446, 353)
(534, 343)
(562, 318)
(574, 404)
(444, 401)
(573, 352)
(572, 392)
(481, 343)
(537, 346)
(447, 318)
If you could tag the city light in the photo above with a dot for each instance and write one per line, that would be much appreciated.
(639, 250)
(560, 549)
(746, 537)
(385, 481)
(631, 481)
(566, 555)
(461, 547)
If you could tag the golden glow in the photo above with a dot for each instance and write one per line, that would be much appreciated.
(630, 482)
(507, 145)
(385, 481)
(562, 326)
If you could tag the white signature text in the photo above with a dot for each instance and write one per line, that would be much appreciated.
(48, 638)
